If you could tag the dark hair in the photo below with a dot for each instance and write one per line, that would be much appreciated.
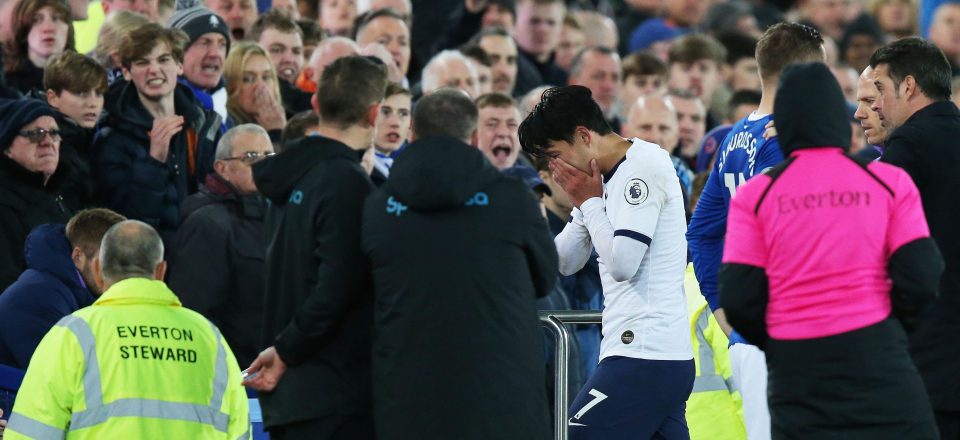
(364, 19)
(21, 23)
(920, 59)
(642, 64)
(738, 45)
(143, 39)
(312, 34)
(74, 73)
(274, 19)
(297, 126)
(787, 43)
(576, 65)
(348, 87)
(560, 111)
(743, 97)
(445, 112)
(493, 30)
(695, 47)
(477, 54)
(86, 228)
(495, 99)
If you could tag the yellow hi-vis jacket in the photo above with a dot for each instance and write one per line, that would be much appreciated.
(134, 365)
(714, 409)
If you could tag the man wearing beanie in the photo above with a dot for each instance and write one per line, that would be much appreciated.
(204, 55)
(30, 179)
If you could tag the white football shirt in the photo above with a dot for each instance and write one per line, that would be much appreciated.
(638, 229)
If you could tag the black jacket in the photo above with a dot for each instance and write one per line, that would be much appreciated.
(76, 149)
(219, 262)
(926, 148)
(26, 79)
(318, 312)
(294, 100)
(25, 203)
(137, 185)
(459, 253)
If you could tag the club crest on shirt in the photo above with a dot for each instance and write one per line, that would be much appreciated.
(636, 191)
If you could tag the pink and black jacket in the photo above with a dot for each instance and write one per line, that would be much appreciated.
(824, 243)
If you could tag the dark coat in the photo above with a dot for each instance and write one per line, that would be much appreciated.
(48, 290)
(26, 79)
(25, 203)
(294, 100)
(459, 254)
(926, 148)
(76, 150)
(218, 266)
(137, 185)
(319, 308)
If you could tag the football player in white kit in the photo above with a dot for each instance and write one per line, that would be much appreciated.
(629, 207)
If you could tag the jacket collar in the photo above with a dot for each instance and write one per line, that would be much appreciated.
(138, 291)
(939, 108)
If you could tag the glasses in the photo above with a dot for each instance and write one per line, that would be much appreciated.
(251, 157)
(37, 135)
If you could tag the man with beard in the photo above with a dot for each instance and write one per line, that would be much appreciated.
(204, 56)
(283, 40)
(58, 281)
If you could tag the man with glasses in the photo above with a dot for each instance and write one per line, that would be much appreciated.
(218, 265)
(30, 179)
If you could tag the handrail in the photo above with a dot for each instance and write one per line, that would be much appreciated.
(555, 320)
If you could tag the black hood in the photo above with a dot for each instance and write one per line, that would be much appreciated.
(278, 175)
(439, 173)
(810, 109)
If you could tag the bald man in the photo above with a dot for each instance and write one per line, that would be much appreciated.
(876, 134)
(654, 119)
(326, 53)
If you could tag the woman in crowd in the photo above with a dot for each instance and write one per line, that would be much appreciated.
(253, 94)
(41, 30)
(115, 29)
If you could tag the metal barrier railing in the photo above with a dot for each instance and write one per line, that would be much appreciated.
(556, 321)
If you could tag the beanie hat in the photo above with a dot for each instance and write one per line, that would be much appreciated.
(16, 114)
(811, 110)
(198, 21)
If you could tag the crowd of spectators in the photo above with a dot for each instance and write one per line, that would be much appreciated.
(157, 110)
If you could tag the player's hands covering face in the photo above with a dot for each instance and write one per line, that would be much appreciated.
(579, 185)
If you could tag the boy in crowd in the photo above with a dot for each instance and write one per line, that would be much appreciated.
(74, 86)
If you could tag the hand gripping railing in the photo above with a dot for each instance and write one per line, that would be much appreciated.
(555, 320)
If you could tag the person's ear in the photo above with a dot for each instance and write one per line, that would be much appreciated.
(76, 256)
(219, 167)
(475, 138)
(372, 113)
(126, 73)
(411, 135)
(160, 271)
(53, 100)
(909, 84)
(315, 104)
(98, 274)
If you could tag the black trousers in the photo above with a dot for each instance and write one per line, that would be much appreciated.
(856, 385)
(340, 427)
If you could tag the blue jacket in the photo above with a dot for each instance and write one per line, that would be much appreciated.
(48, 290)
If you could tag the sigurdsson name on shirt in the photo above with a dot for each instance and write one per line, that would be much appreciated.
(832, 199)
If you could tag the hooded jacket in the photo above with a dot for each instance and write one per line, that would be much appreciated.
(135, 184)
(76, 150)
(813, 245)
(318, 308)
(218, 267)
(48, 290)
(25, 203)
(459, 253)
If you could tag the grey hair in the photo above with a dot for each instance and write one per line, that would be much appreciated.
(130, 249)
(225, 147)
(576, 65)
(429, 80)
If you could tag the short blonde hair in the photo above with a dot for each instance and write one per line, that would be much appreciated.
(115, 29)
(240, 54)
